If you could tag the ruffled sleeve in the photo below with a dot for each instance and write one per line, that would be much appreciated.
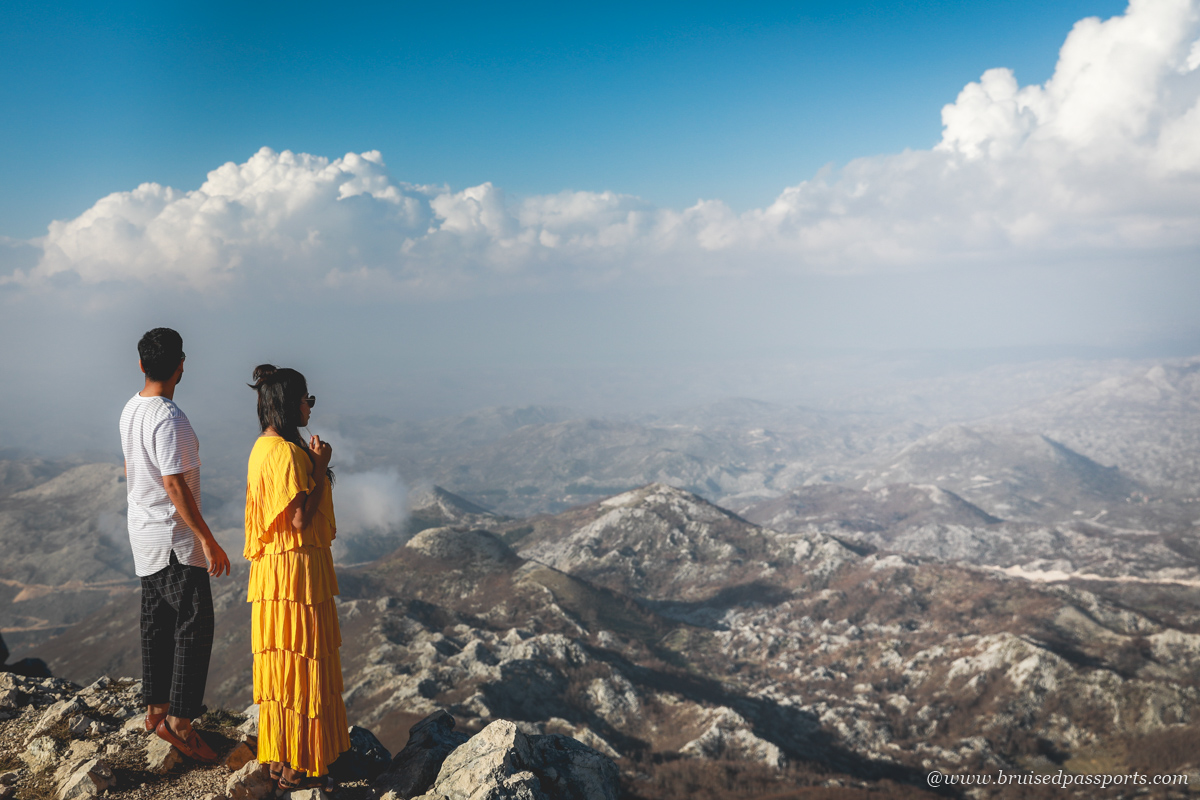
(277, 472)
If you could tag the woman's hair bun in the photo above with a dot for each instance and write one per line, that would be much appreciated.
(262, 372)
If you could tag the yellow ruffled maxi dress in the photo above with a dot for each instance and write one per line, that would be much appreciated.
(297, 667)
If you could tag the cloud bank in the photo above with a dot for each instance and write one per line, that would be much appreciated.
(371, 502)
(1100, 162)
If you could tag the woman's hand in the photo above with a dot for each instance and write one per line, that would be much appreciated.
(304, 505)
(322, 452)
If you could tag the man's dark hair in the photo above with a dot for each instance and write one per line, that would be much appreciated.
(161, 350)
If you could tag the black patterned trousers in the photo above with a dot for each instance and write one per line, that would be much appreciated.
(177, 635)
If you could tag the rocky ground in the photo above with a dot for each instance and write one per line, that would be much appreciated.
(60, 741)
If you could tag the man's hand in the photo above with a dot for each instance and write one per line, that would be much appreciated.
(322, 452)
(217, 560)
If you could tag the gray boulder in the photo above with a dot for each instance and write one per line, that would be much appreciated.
(250, 726)
(251, 782)
(501, 763)
(489, 757)
(161, 756)
(40, 754)
(89, 780)
(415, 768)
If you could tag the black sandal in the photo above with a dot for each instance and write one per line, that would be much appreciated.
(318, 782)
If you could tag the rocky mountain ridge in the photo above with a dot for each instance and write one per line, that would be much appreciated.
(879, 598)
(670, 634)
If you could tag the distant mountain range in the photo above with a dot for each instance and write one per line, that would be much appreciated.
(656, 627)
(787, 596)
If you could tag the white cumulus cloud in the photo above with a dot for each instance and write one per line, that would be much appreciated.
(1103, 161)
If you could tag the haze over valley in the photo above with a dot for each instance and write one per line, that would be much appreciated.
(794, 593)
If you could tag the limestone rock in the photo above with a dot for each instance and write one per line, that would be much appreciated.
(730, 737)
(63, 708)
(307, 794)
(40, 754)
(100, 683)
(365, 759)
(161, 756)
(77, 753)
(89, 780)
(415, 768)
(80, 724)
(502, 763)
(470, 549)
(250, 726)
(251, 782)
(10, 698)
(239, 756)
(486, 761)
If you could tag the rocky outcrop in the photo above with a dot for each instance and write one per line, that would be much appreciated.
(82, 743)
(501, 763)
(434, 507)
(478, 549)
(251, 782)
(931, 521)
(663, 544)
(89, 779)
(114, 757)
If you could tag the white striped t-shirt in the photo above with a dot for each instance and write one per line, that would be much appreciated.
(158, 440)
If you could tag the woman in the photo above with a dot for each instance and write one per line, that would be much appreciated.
(289, 529)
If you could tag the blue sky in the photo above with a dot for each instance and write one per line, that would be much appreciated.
(616, 206)
(671, 102)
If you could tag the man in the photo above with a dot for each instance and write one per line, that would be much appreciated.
(174, 552)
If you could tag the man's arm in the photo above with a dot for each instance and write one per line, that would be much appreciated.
(181, 495)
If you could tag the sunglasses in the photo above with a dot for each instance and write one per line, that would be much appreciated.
(311, 400)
